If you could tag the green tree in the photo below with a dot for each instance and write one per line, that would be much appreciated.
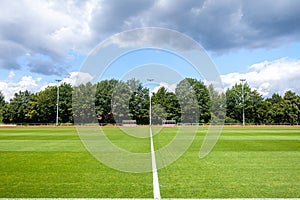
(130, 100)
(16, 110)
(65, 103)
(165, 105)
(291, 111)
(46, 105)
(275, 109)
(2, 104)
(138, 102)
(187, 98)
(2, 99)
(264, 113)
(251, 104)
(42, 106)
(218, 106)
(203, 97)
(33, 115)
(120, 102)
(84, 103)
(112, 100)
(103, 99)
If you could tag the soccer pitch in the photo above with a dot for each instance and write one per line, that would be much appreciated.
(245, 163)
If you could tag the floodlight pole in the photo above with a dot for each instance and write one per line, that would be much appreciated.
(243, 98)
(150, 107)
(57, 101)
(150, 110)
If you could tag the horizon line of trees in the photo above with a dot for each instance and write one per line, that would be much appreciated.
(111, 101)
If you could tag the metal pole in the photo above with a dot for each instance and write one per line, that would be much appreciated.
(150, 114)
(150, 107)
(57, 101)
(243, 98)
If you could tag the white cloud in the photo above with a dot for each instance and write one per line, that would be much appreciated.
(269, 77)
(49, 28)
(11, 75)
(152, 37)
(77, 78)
(74, 78)
(9, 88)
(169, 87)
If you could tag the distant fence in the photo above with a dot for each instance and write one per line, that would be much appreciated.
(266, 124)
(190, 124)
(120, 124)
(7, 125)
(169, 122)
(128, 122)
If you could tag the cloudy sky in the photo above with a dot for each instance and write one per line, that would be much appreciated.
(41, 41)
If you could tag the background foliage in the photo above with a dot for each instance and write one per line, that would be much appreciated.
(191, 102)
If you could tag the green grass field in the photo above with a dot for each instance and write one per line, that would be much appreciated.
(245, 163)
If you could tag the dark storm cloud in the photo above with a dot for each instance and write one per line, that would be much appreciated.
(273, 21)
(231, 24)
(27, 30)
(113, 16)
(219, 25)
(46, 67)
(9, 51)
(52, 28)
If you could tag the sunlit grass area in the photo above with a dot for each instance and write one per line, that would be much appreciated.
(245, 163)
(54, 163)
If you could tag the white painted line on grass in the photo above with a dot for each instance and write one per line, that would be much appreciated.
(156, 190)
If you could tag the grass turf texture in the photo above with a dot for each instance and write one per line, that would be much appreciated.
(53, 163)
(250, 163)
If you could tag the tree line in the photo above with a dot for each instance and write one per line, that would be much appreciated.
(111, 101)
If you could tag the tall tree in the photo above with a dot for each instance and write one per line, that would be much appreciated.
(46, 105)
(65, 103)
(218, 106)
(187, 98)
(203, 97)
(2, 104)
(84, 104)
(2, 99)
(16, 110)
(165, 105)
(130, 100)
(111, 99)
(103, 99)
(274, 109)
(235, 104)
(292, 105)
(120, 102)
(33, 113)
(138, 102)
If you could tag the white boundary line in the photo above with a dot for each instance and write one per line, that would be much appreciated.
(156, 190)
